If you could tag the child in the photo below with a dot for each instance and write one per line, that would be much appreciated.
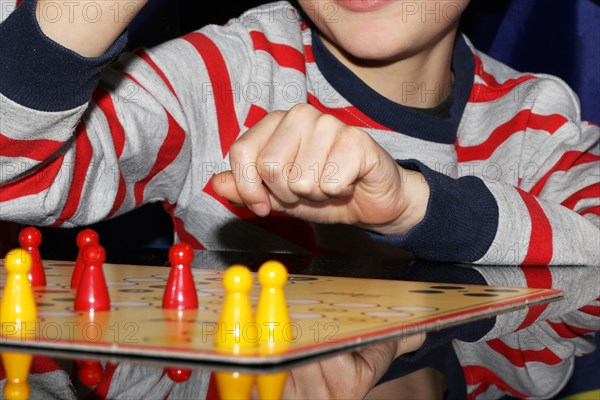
(373, 122)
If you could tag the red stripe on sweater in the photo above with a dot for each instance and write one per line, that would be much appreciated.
(308, 54)
(103, 100)
(525, 119)
(38, 150)
(493, 90)
(179, 227)
(18, 3)
(591, 310)
(349, 115)
(213, 389)
(540, 249)
(120, 197)
(83, 159)
(144, 56)
(567, 161)
(490, 80)
(569, 331)
(520, 357)
(549, 123)
(255, 114)
(591, 210)
(168, 152)
(483, 93)
(31, 184)
(286, 56)
(592, 191)
(216, 67)
(478, 375)
(533, 314)
(539, 253)
(280, 224)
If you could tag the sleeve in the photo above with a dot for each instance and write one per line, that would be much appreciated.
(550, 216)
(85, 139)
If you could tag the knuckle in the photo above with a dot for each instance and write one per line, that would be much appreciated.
(276, 115)
(329, 123)
(301, 110)
(357, 137)
(334, 189)
(303, 187)
(239, 150)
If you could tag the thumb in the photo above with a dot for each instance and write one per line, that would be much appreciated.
(224, 185)
(408, 344)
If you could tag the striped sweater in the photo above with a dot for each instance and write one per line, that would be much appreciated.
(513, 170)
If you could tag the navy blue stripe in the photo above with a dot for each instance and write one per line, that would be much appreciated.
(402, 119)
(38, 73)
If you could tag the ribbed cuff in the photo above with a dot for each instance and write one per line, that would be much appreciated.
(460, 223)
(38, 73)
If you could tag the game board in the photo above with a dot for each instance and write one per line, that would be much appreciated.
(328, 314)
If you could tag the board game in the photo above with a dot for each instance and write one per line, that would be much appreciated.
(328, 314)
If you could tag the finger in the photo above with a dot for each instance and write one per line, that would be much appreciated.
(243, 156)
(312, 156)
(411, 343)
(345, 164)
(373, 362)
(277, 157)
(306, 382)
(297, 134)
(224, 185)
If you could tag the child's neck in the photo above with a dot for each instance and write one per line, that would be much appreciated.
(422, 80)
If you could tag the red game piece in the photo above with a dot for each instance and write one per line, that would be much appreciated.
(90, 372)
(84, 237)
(30, 239)
(92, 292)
(178, 375)
(180, 292)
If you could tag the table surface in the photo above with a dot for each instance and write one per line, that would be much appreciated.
(322, 265)
(319, 265)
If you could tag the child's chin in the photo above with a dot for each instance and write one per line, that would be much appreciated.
(375, 51)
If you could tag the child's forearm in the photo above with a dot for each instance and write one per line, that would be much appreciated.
(86, 27)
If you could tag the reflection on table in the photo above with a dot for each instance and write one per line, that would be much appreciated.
(557, 325)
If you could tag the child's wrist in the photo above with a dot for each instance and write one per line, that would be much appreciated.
(412, 206)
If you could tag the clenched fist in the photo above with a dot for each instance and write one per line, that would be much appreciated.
(312, 166)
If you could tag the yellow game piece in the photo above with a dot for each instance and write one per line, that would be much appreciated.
(16, 391)
(16, 367)
(236, 331)
(18, 304)
(236, 328)
(270, 386)
(272, 315)
(273, 318)
(234, 385)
